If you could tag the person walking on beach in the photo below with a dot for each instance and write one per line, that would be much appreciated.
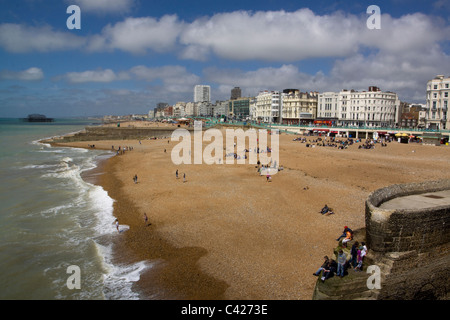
(184, 177)
(117, 225)
(176, 173)
(146, 220)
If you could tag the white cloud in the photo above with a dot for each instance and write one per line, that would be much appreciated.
(21, 39)
(413, 32)
(138, 35)
(173, 78)
(100, 75)
(103, 6)
(274, 35)
(170, 75)
(278, 36)
(31, 74)
(293, 36)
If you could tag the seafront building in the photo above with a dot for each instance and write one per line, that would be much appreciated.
(438, 91)
(298, 108)
(239, 108)
(219, 109)
(412, 115)
(266, 107)
(372, 108)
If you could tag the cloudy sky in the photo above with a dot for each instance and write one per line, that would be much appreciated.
(131, 54)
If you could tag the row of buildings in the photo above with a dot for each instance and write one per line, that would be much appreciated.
(371, 108)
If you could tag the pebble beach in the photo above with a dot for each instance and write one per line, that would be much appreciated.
(226, 233)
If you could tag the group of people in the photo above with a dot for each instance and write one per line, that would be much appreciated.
(121, 150)
(370, 144)
(184, 175)
(342, 144)
(357, 253)
(332, 142)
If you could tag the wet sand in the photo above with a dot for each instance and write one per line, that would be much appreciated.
(227, 233)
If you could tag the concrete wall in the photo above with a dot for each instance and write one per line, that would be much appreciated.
(406, 230)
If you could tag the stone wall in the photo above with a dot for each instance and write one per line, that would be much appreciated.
(406, 230)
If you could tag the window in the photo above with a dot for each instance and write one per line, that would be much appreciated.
(445, 94)
(435, 86)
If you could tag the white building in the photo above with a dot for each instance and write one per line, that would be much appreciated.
(190, 109)
(179, 109)
(329, 105)
(438, 91)
(220, 108)
(373, 108)
(266, 106)
(202, 93)
(203, 109)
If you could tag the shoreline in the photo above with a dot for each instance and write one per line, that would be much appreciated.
(202, 246)
(173, 273)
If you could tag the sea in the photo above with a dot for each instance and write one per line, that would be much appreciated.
(54, 225)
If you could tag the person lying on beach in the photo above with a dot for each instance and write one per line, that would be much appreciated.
(326, 210)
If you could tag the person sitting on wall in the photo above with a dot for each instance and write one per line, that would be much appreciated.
(324, 265)
(329, 270)
(348, 237)
(344, 233)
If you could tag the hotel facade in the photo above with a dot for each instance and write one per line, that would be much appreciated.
(298, 108)
(372, 108)
(438, 92)
(266, 106)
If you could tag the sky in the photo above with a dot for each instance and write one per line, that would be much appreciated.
(129, 55)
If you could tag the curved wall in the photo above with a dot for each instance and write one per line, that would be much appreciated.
(400, 230)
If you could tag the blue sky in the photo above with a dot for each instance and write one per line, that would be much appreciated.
(131, 54)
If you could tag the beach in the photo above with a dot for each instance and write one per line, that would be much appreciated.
(226, 233)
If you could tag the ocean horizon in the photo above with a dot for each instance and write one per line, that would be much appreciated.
(52, 219)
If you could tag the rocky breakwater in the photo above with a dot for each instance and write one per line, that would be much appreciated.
(408, 236)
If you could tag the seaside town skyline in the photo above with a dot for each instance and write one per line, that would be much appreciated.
(127, 55)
